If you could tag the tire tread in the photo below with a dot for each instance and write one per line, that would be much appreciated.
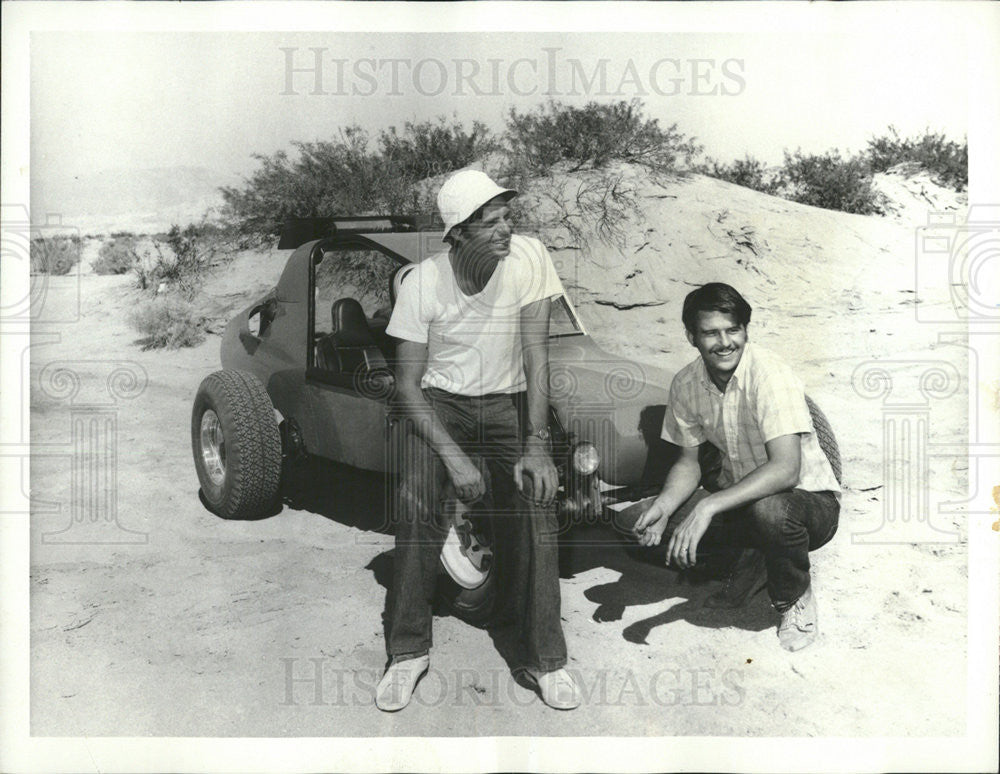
(254, 462)
(827, 440)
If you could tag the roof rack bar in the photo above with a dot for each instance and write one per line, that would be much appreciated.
(297, 231)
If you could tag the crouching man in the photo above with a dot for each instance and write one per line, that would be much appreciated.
(779, 498)
(472, 380)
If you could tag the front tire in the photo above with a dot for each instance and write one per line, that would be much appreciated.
(236, 445)
(474, 606)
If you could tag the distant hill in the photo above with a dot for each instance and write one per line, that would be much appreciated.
(138, 200)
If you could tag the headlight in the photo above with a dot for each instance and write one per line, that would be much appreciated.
(585, 458)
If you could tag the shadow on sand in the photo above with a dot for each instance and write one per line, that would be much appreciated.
(352, 497)
(645, 580)
(358, 499)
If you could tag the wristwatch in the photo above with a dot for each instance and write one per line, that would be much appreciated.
(544, 434)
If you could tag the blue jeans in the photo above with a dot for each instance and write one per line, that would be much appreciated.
(488, 429)
(784, 527)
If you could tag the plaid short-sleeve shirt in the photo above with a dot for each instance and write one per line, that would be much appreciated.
(763, 400)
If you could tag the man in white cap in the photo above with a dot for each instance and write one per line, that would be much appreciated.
(472, 384)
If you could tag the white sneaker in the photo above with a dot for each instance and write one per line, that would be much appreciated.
(396, 686)
(799, 623)
(557, 688)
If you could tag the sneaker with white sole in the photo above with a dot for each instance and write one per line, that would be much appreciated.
(557, 688)
(799, 623)
(396, 686)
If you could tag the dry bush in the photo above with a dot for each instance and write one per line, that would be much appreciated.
(116, 256)
(168, 322)
(56, 254)
(827, 180)
(428, 149)
(599, 203)
(592, 137)
(182, 266)
(606, 148)
(946, 160)
(351, 174)
(747, 172)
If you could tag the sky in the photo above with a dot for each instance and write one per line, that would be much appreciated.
(145, 99)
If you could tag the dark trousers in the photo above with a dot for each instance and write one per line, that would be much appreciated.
(784, 527)
(525, 551)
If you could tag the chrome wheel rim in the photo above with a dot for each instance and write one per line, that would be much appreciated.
(213, 447)
(466, 555)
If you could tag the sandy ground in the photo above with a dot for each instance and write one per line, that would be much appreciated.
(172, 622)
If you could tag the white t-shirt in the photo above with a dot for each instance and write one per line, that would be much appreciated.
(474, 342)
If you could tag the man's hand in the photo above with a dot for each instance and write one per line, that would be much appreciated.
(649, 527)
(537, 463)
(411, 362)
(683, 547)
(466, 478)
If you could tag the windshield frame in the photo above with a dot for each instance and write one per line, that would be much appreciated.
(570, 312)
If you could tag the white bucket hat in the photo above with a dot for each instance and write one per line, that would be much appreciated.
(465, 192)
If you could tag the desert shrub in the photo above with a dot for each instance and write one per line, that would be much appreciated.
(56, 254)
(946, 160)
(183, 267)
(351, 175)
(592, 140)
(827, 180)
(599, 204)
(116, 256)
(429, 149)
(592, 136)
(168, 322)
(747, 172)
(146, 268)
(356, 173)
(323, 175)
